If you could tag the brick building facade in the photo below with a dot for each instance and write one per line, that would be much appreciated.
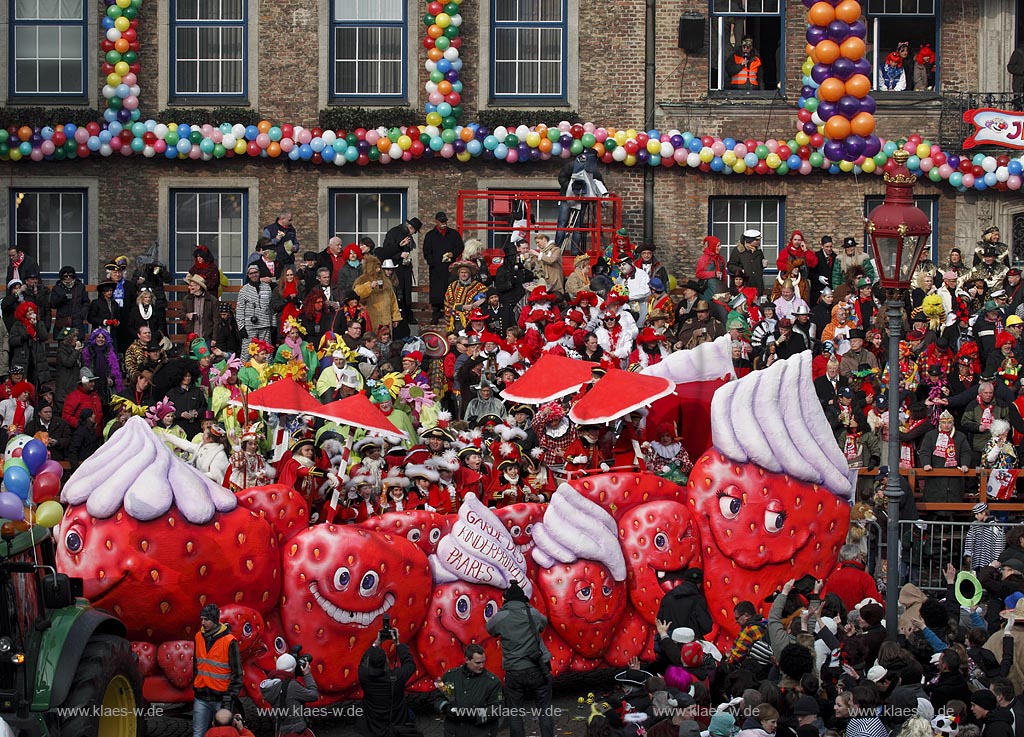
(290, 60)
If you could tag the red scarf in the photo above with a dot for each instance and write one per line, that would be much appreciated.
(944, 446)
(19, 415)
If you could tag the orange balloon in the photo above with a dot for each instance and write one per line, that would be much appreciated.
(121, 45)
(384, 144)
(826, 52)
(821, 14)
(831, 90)
(444, 87)
(598, 149)
(853, 48)
(544, 145)
(263, 126)
(435, 54)
(863, 124)
(837, 127)
(808, 50)
(466, 134)
(25, 133)
(273, 149)
(435, 31)
(848, 11)
(858, 85)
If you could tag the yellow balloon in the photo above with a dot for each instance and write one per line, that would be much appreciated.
(773, 160)
(706, 155)
(533, 139)
(729, 158)
(868, 166)
(923, 151)
(464, 156)
(172, 126)
(630, 160)
(121, 68)
(620, 137)
(434, 119)
(123, 3)
(821, 129)
(114, 79)
(740, 166)
(443, 20)
(241, 146)
(15, 154)
(846, 166)
(122, 24)
(404, 143)
(654, 146)
(802, 138)
(630, 133)
(49, 514)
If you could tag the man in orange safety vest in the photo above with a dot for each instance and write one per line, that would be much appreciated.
(216, 670)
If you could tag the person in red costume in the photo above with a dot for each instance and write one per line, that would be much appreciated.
(506, 485)
(303, 470)
(362, 501)
(711, 267)
(796, 249)
(396, 495)
(585, 452)
(446, 465)
(472, 472)
(424, 484)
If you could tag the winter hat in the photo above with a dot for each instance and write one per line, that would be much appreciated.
(683, 635)
(872, 614)
(285, 662)
(210, 612)
(722, 724)
(985, 699)
(805, 706)
(691, 654)
(514, 592)
(944, 724)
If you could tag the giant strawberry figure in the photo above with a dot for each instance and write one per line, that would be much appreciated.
(773, 493)
(425, 529)
(458, 616)
(339, 582)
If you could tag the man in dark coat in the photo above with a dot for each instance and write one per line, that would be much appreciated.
(282, 237)
(58, 432)
(69, 298)
(999, 579)
(384, 704)
(20, 265)
(685, 605)
(442, 246)
(820, 276)
(397, 246)
(944, 447)
(995, 721)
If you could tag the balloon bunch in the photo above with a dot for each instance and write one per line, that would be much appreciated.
(834, 100)
(31, 484)
(979, 172)
(442, 42)
(120, 46)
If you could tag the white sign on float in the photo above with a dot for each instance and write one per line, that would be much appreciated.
(995, 128)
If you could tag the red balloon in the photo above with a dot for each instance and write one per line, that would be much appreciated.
(316, 132)
(149, 138)
(977, 171)
(135, 69)
(93, 128)
(965, 166)
(127, 136)
(939, 159)
(287, 131)
(750, 143)
(83, 150)
(784, 152)
(1000, 160)
(106, 45)
(317, 159)
(576, 130)
(453, 98)
(253, 148)
(417, 148)
(607, 158)
(130, 35)
(456, 42)
(435, 8)
(817, 140)
(804, 115)
(915, 139)
(361, 134)
(804, 152)
(107, 68)
(642, 139)
(704, 166)
(363, 160)
(428, 42)
(59, 139)
(45, 486)
(631, 147)
(761, 168)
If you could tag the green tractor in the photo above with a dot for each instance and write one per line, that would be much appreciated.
(66, 669)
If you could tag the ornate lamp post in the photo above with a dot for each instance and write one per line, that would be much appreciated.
(898, 231)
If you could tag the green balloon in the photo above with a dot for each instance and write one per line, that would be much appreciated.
(374, 153)
(511, 140)
(934, 175)
(811, 105)
(448, 135)
(130, 56)
(15, 462)
(195, 136)
(782, 169)
(352, 139)
(436, 76)
(113, 12)
(3, 135)
(428, 20)
(394, 134)
(219, 151)
(457, 111)
(5, 150)
(442, 43)
(762, 152)
(816, 159)
(576, 148)
(610, 144)
(880, 158)
(451, 9)
(130, 12)
(554, 134)
(113, 57)
(171, 138)
(451, 32)
(588, 140)
(114, 103)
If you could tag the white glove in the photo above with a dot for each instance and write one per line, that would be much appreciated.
(823, 280)
(351, 495)
(579, 459)
(605, 467)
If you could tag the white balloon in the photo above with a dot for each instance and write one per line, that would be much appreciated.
(109, 92)
(149, 152)
(430, 65)
(430, 87)
(451, 53)
(989, 163)
(113, 34)
(329, 137)
(457, 20)
(1002, 174)
(229, 140)
(619, 154)
(238, 131)
(692, 159)
(160, 130)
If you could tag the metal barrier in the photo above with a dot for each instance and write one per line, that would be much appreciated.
(926, 547)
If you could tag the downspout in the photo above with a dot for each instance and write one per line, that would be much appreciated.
(650, 44)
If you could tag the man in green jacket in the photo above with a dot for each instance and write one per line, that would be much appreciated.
(471, 697)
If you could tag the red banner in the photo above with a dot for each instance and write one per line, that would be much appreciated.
(995, 128)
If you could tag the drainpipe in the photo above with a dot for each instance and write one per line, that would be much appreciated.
(649, 87)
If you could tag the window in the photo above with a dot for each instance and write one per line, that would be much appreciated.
(208, 48)
(48, 48)
(731, 21)
(368, 48)
(929, 206)
(730, 216)
(50, 226)
(215, 218)
(528, 45)
(891, 22)
(358, 213)
(543, 217)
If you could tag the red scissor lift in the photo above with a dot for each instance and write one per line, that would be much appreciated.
(597, 229)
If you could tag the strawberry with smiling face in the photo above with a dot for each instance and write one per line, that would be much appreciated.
(772, 495)
(458, 616)
(425, 529)
(338, 583)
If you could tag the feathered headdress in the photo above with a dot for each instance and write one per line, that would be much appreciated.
(219, 375)
(290, 322)
(159, 411)
(119, 403)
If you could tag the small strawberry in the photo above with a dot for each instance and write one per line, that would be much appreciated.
(145, 655)
(760, 529)
(629, 640)
(618, 491)
(282, 506)
(457, 617)
(175, 660)
(584, 604)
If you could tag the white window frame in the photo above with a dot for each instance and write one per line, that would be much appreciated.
(523, 28)
(69, 28)
(740, 216)
(876, 54)
(178, 259)
(721, 11)
(372, 23)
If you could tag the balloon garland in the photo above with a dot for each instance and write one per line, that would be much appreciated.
(835, 112)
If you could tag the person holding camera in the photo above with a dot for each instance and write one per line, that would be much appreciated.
(286, 695)
(526, 659)
(226, 724)
(471, 697)
(385, 712)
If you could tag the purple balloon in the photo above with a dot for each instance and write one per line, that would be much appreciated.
(565, 139)
(524, 150)
(862, 66)
(872, 145)
(123, 115)
(643, 155)
(842, 69)
(838, 31)
(806, 91)
(953, 161)
(487, 154)
(855, 146)
(816, 34)
(52, 466)
(459, 145)
(810, 128)
(452, 75)
(834, 150)
(809, 3)
(821, 72)
(676, 141)
(826, 109)
(858, 29)
(535, 154)
(848, 106)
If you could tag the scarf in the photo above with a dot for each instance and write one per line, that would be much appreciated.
(147, 311)
(944, 446)
(119, 293)
(19, 415)
(852, 449)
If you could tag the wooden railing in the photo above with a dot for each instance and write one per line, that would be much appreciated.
(916, 475)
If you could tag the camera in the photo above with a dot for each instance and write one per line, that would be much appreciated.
(253, 320)
(301, 658)
(386, 633)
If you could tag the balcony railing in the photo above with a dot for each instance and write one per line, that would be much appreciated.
(952, 128)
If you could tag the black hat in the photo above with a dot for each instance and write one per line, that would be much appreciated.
(514, 592)
(803, 587)
(985, 699)
(856, 333)
(440, 217)
(694, 576)
(153, 347)
(416, 223)
(990, 229)
(224, 307)
(872, 613)
(690, 284)
(805, 706)
(636, 677)
(71, 270)
(310, 256)
(849, 242)
(104, 285)
(524, 408)
(826, 239)
(210, 612)
(845, 392)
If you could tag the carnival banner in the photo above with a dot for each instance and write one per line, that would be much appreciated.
(995, 128)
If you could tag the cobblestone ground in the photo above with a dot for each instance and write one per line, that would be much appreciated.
(570, 715)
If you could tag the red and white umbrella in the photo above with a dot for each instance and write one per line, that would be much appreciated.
(358, 411)
(617, 394)
(285, 395)
(552, 377)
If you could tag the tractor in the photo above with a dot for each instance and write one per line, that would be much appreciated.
(66, 669)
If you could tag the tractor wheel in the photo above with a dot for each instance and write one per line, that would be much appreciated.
(106, 692)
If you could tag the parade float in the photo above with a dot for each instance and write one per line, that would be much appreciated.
(154, 540)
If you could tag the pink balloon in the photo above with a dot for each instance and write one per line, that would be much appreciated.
(216, 136)
(945, 170)
(1013, 182)
(195, 154)
(406, 156)
(115, 143)
(262, 140)
(36, 155)
(51, 466)
(927, 164)
(679, 156)
(131, 102)
(81, 135)
(160, 145)
(740, 149)
(772, 145)
(287, 144)
(718, 148)
(968, 180)
(805, 167)
(47, 147)
(447, 151)
(129, 79)
(601, 135)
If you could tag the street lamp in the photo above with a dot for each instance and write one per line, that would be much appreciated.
(898, 231)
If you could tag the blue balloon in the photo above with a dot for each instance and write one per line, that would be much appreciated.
(293, 155)
(501, 151)
(1014, 167)
(184, 130)
(430, 108)
(34, 454)
(306, 152)
(110, 115)
(793, 162)
(750, 160)
(94, 143)
(990, 180)
(104, 136)
(695, 145)
(956, 179)
(717, 164)
(317, 144)
(979, 184)
(69, 130)
(171, 152)
(18, 482)
(328, 153)
(443, 65)
(730, 143)
(251, 132)
(474, 147)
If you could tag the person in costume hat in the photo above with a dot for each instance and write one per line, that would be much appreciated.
(248, 466)
(579, 279)
(412, 369)
(666, 455)
(362, 500)
(338, 380)
(615, 338)
(254, 373)
(162, 418)
(631, 702)
(459, 295)
(985, 539)
(586, 452)
(710, 268)
(401, 420)
(446, 465)
(851, 263)
(300, 469)
(396, 493)
(1001, 252)
(637, 284)
(199, 307)
(472, 473)
(647, 263)
(506, 485)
